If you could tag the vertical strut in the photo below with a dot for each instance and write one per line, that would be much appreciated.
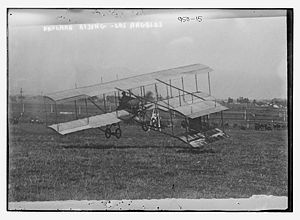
(45, 111)
(170, 110)
(144, 91)
(115, 98)
(168, 97)
(171, 117)
(86, 110)
(76, 109)
(56, 115)
(179, 97)
(171, 88)
(208, 83)
(116, 103)
(196, 81)
(156, 92)
(182, 87)
(104, 102)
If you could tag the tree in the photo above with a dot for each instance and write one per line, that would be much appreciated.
(243, 100)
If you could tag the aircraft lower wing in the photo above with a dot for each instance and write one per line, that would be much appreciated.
(199, 109)
(191, 108)
(90, 122)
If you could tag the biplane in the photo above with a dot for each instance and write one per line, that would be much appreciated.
(163, 101)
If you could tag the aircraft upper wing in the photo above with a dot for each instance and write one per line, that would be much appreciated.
(127, 83)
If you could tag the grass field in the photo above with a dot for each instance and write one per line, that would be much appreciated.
(86, 166)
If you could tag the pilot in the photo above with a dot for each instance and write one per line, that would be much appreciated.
(124, 101)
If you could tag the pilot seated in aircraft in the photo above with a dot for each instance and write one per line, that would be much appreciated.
(124, 101)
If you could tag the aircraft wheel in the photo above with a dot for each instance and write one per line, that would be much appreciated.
(118, 133)
(154, 123)
(107, 132)
(145, 127)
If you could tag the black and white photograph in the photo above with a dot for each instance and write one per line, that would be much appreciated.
(149, 109)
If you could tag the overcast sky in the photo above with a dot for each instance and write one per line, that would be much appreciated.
(248, 55)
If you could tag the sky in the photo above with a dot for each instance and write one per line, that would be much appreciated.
(246, 49)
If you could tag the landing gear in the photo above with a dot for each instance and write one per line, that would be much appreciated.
(118, 133)
(108, 131)
(153, 123)
(155, 120)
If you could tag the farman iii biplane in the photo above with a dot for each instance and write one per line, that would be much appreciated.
(167, 101)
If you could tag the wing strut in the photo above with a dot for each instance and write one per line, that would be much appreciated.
(145, 99)
(184, 91)
(171, 118)
(196, 81)
(208, 83)
(91, 100)
(45, 109)
(76, 114)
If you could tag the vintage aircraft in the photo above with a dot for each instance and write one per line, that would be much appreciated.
(157, 101)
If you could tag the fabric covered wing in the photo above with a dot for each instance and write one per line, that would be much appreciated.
(196, 110)
(192, 108)
(90, 122)
(127, 83)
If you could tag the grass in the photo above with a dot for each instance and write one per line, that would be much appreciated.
(85, 166)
